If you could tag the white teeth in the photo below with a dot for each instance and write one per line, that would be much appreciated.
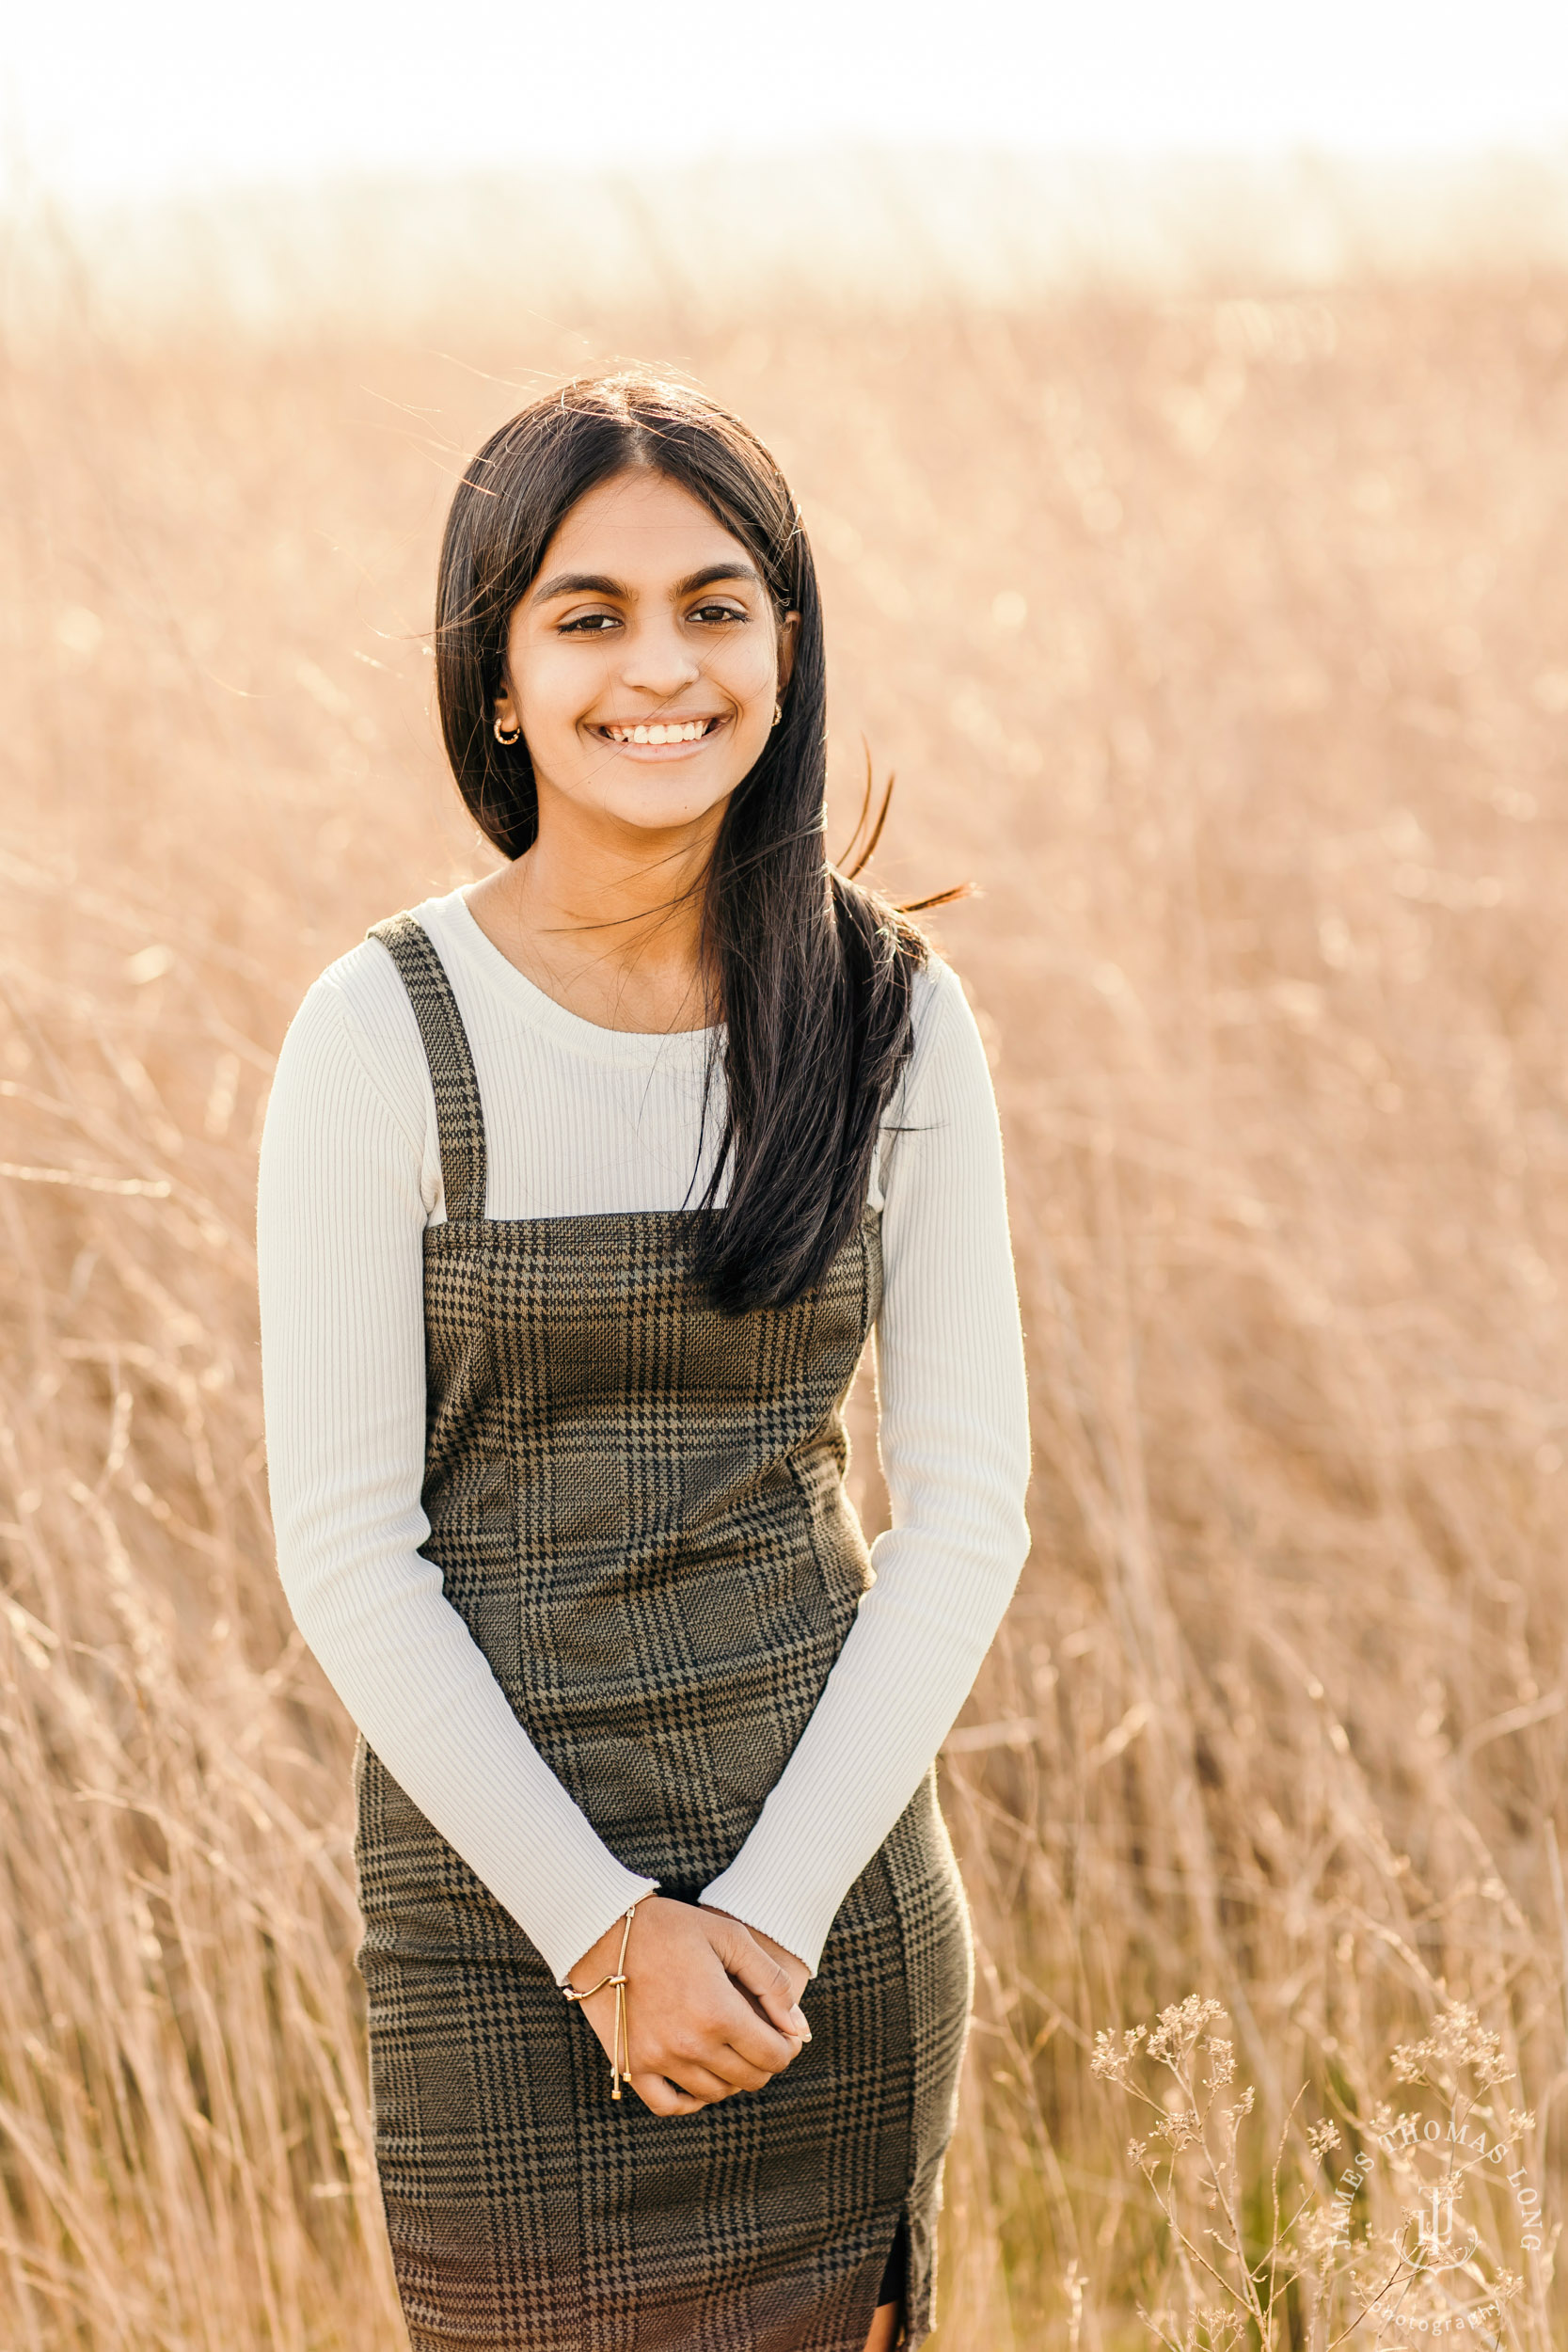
(672, 731)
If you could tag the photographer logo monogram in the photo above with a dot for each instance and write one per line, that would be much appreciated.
(1445, 2279)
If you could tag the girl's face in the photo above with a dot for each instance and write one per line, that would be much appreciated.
(644, 664)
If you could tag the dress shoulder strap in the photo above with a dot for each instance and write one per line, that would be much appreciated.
(459, 1119)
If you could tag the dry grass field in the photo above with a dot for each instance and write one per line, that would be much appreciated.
(1221, 638)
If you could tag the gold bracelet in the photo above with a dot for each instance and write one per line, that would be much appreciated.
(620, 2065)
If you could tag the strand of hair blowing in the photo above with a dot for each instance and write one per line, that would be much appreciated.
(813, 972)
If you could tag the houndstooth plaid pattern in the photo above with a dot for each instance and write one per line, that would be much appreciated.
(637, 1504)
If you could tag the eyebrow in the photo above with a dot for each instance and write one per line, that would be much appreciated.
(600, 584)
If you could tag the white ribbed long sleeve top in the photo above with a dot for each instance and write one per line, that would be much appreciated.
(582, 1120)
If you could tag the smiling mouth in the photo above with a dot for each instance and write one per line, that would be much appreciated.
(660, 731)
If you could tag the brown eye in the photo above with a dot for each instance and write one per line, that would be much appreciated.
(710, 613)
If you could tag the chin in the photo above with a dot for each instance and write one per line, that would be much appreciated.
(667, 812)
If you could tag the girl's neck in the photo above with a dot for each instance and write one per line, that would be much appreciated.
(611, 931)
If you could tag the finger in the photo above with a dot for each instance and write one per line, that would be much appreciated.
(733, 2015)
(755, 2040)
(791, 2033)
(727, 2043)
(701, 2082)
(745, 2076)
(664, 2097)
(759, 1973)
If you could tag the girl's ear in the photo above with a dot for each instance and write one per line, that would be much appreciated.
(503, 710)
(789, 629)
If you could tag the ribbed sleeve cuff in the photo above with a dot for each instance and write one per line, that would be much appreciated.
(787, 1914)
(574, 1924)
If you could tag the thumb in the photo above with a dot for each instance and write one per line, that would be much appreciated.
(758, 1973)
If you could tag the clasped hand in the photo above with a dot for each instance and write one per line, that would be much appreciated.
(712, 2007)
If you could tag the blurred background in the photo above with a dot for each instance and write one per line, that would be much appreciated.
(1179, 403)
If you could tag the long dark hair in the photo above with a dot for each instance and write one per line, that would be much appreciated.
(813, 971)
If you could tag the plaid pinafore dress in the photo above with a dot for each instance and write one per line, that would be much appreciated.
(637, 1504)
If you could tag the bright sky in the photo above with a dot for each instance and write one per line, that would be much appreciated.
(106, 97)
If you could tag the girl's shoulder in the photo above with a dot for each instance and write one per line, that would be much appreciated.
(359, 1007)
(363, 991)
(944, 1102)
(945, 1035)
(362, 997)
(937, 987)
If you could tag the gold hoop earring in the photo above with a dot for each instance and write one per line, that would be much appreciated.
(778, 712)
(502, 735)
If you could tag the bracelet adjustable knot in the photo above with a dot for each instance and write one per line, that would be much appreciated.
(619, 2065)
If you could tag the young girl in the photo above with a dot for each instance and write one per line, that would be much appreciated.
(583, 1191)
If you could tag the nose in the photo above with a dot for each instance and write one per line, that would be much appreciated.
(656, 660)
